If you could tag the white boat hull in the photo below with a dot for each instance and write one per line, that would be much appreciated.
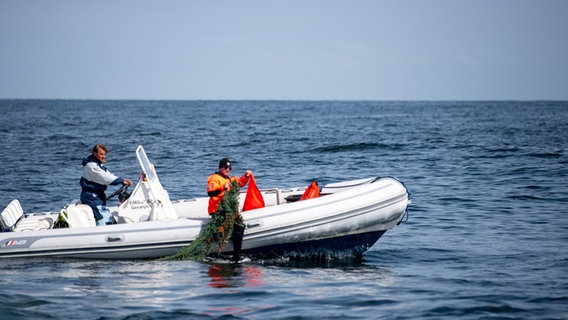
(347, 219)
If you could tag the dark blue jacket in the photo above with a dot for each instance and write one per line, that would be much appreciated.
(88, 186)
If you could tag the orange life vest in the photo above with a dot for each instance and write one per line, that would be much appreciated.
(216, 188)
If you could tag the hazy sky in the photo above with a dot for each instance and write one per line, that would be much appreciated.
(291, 50)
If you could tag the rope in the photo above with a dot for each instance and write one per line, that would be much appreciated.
(217, 231)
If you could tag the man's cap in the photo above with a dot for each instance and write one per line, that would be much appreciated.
(225, 162)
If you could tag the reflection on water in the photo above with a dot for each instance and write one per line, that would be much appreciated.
(233, 275)
(218, 288)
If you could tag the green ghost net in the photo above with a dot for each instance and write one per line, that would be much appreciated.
(217, 231)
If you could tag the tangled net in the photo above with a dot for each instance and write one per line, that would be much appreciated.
(217, 231)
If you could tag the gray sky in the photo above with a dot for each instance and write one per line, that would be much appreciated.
(290, 50)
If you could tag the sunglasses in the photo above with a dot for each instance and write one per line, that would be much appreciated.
(228, 167)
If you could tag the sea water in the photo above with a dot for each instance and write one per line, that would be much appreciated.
(486, 236)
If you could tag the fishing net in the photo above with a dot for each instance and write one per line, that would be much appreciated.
(217, 231)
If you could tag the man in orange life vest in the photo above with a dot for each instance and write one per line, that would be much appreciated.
(217, 184)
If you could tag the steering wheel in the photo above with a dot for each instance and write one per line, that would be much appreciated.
(122, 194)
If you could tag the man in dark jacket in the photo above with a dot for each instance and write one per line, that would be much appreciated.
(94, 182)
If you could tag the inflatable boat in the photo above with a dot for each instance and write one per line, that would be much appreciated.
(346, 218)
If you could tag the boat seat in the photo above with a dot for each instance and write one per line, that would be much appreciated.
(11, 215)
(78, 215)
(33, 223)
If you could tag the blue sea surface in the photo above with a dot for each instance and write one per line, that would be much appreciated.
(486, 236)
